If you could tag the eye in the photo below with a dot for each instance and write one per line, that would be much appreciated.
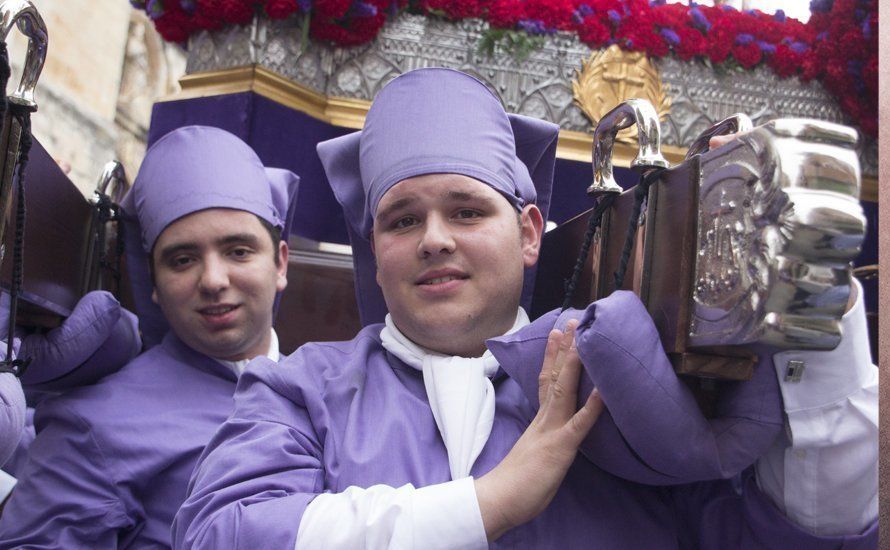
(467, 214)
(404, 222)
(240, 253)
(180, 262)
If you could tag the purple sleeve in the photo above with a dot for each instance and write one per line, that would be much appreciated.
(66, 495)
(738, 515)
(12, 415)
(256, 476)
(652, 431)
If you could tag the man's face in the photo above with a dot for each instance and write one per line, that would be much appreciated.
(216, 279)
(450, 254)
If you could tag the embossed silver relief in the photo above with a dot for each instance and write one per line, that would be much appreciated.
(779, 223)
(537, 86)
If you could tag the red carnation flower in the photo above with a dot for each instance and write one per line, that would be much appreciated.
(692, 43)
(238, 12)
(279, 9)
(721, 38)
(331, 9)
(173, 26)
(555, 14)
(208, 14)
(870, 75)
(747, 55)
(504, 14)
(785, 62)
(593, 33)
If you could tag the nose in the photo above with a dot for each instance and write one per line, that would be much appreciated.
(215, 275)
(437, 238)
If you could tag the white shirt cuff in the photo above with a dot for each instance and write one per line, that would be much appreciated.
(829, 376)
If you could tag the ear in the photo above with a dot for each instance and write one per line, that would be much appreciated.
(281, 271)
(531, 227)
(374, 253)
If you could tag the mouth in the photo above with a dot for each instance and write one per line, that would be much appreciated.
(441, 277)
(219, 312)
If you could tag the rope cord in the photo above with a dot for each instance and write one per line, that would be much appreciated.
(641, 191)
(592, 225)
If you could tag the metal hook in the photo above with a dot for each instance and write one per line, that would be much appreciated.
(30, 23)
(632, 111)
(113, 172)
(733, 124)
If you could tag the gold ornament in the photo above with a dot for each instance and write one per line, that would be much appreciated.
(612, 76)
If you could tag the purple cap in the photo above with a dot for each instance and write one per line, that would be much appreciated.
(190, 169)
(433, 121)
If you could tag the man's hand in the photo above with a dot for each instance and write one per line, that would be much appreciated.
(524, 483)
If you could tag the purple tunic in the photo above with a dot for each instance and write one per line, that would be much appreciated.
(334, 415)
(111, 462)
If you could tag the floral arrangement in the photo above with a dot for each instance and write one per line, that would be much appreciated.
(838, 46)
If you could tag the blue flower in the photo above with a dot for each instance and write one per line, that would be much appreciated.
(766, 47)
(780, 16)
(743, 39)
(305, 5)
(821, 6)
(799, 47)
(154, 9)
(188, 5)
(866, 28)
(534, 26)
(363, 9)
(699, 19)
(614, 17)
(670, 36)
(579, 14)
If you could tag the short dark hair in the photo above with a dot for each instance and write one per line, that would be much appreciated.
(274, 234)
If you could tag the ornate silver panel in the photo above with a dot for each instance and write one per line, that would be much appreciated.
(779, 222)
(540, 86)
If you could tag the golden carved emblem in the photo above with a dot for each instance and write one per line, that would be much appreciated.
(612, 76)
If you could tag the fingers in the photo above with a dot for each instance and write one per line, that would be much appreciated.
(558, 387)
(586, 417)
(550, 354)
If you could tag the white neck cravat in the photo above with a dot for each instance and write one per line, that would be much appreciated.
(238, 366)
(459, 390)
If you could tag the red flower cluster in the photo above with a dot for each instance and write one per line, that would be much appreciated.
(838, 46)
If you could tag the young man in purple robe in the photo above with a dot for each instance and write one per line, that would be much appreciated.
(439, 428)
(111, 461)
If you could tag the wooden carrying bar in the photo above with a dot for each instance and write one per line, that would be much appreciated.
(660, 269)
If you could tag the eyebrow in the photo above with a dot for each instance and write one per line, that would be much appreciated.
(464, 196)
(454, 196)
(394, 207)
(190, 246)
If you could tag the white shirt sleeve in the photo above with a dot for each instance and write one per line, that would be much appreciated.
(823, 471)
(442, 516)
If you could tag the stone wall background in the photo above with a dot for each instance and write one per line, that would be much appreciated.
(105, 67)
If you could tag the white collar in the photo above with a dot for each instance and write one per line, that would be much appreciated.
(459, 390)
(238, 366)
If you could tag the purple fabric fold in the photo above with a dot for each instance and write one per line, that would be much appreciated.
(654, 431)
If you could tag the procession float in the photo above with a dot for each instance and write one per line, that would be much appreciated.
(749, 243)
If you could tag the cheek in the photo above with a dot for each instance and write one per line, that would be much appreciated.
(393, 257)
